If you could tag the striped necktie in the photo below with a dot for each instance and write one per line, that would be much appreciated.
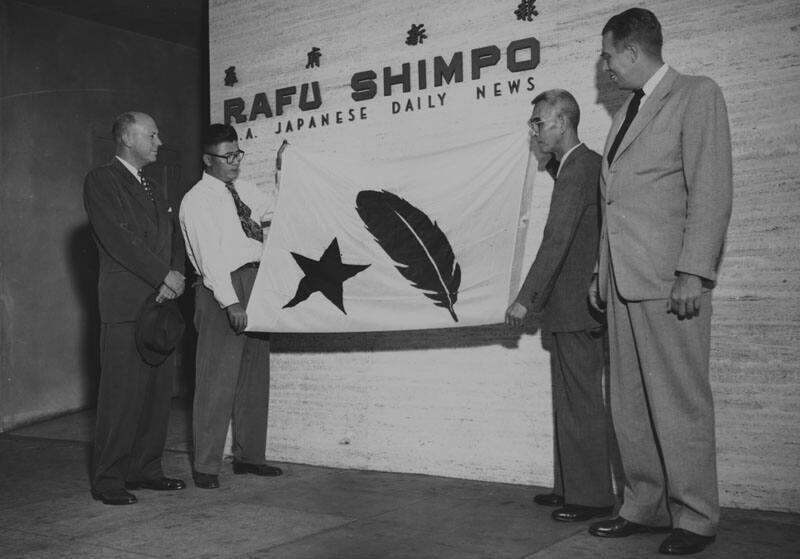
(249, 226)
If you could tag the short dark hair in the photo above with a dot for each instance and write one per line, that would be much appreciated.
(563, 102)
(639, 26)
(121, 125)
(217, 134)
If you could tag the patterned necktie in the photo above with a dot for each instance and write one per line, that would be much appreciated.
(633, 108)
(251, 228)
(148, 188)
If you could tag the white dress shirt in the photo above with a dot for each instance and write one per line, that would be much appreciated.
(654, 80)
(215, 242)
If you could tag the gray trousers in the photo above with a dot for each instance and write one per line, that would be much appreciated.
(581, 434)
(663, 413)
(231, 382)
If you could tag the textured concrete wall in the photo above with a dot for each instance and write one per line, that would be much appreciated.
(62, 82)
(475, 403)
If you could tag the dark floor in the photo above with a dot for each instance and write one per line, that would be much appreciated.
(310, 512)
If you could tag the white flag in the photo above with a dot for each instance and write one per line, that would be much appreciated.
(420, 242)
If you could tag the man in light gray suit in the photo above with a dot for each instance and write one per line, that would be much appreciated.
(666, 194)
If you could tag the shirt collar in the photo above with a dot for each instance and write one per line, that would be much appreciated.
(654, 80)
(134, 171)
(213, 179)
(561, 163)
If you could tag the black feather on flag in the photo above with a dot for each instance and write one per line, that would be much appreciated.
(421, 250)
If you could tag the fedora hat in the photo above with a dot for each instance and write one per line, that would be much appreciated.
(158, 329)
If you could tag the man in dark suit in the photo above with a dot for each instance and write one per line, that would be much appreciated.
(141, 255)
(666, 192)
(555, 286)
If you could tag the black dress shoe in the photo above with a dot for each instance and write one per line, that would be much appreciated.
(684, 542)
(205, 481)
(549, 500)
(114, 497)
(580, 513)
(620, 528)
(163, 484)
(256, 469)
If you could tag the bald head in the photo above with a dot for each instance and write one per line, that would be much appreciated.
(136, 137)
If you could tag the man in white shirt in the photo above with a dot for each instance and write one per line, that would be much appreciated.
(222, 220)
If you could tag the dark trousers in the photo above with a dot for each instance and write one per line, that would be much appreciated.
(581, 433)
(231, 383)
(133, 405)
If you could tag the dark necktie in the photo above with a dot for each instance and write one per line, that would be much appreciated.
(251, 228)
(552, 167)
(633, 108)
(148, 188)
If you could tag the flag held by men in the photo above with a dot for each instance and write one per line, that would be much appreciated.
(418, 242)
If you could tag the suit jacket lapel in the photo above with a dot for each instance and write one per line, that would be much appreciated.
(160, 216)
(649, 109)
(571, 160)
(616, 122)
(163, 216)
(136, 190)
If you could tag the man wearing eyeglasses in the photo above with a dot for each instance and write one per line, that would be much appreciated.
(556, 287)
(223, 221)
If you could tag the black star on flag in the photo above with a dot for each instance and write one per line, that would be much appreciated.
(326, 275)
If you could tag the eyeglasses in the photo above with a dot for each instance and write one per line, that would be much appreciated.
(230, 158)
(535, 124)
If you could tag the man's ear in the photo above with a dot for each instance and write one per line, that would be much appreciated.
(632, 50)
(206, 161)
(125, 138)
